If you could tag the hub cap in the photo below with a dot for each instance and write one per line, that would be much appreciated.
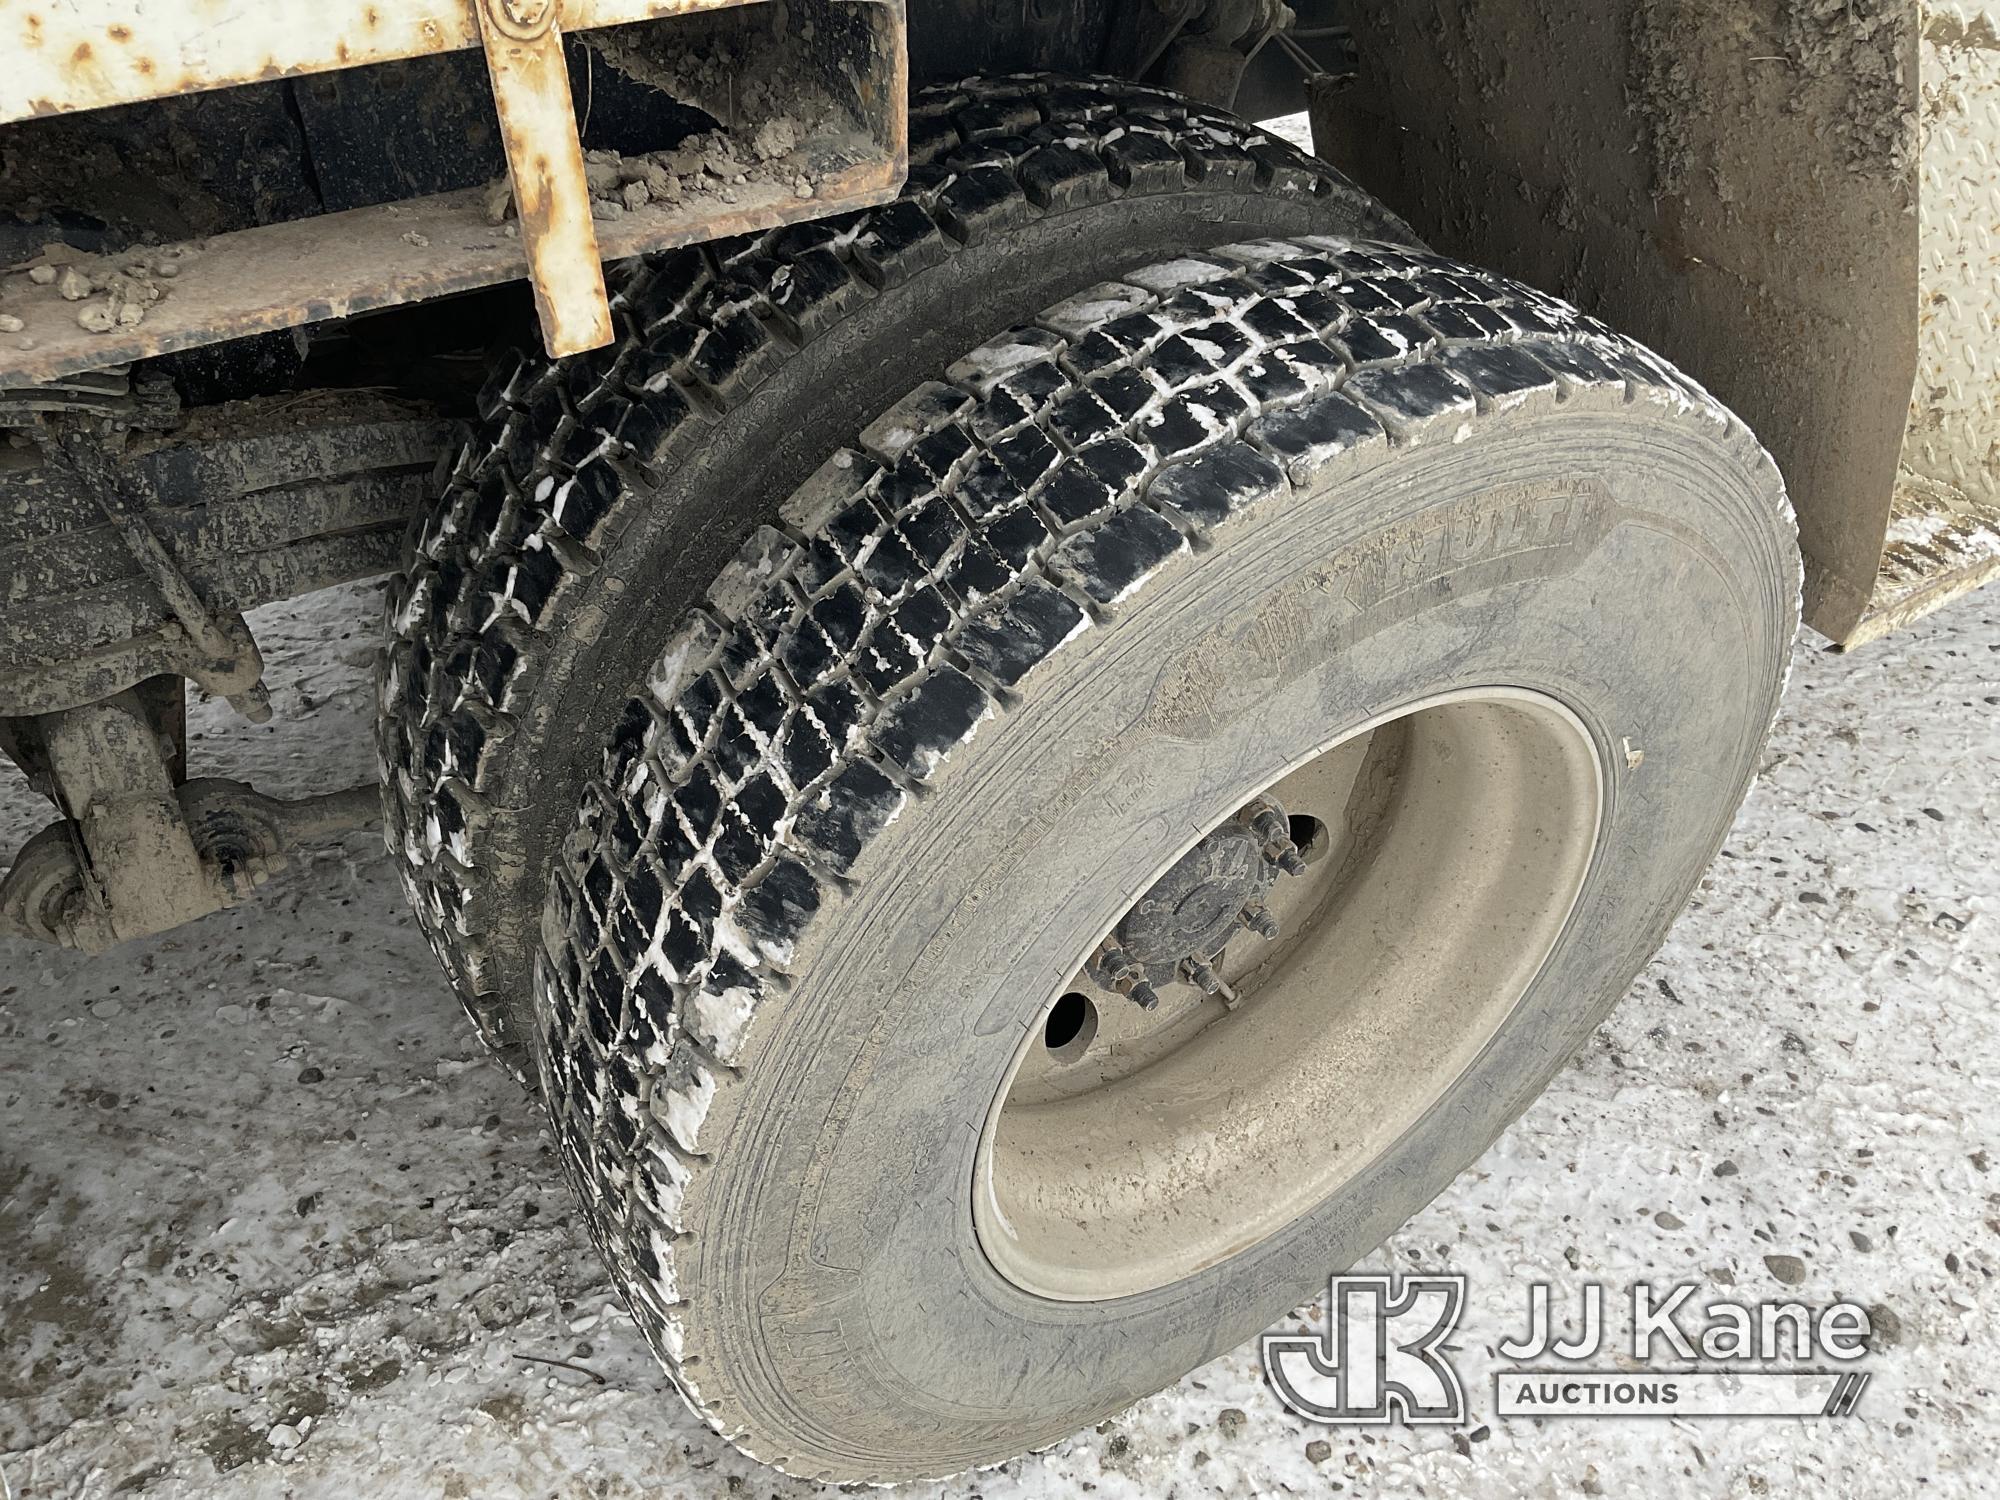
(1178, 929)
(1310, 976)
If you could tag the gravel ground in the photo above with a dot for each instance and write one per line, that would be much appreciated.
(269, 1225)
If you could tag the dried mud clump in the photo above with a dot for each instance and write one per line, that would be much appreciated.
(1846, 64)
(716, 164)
(110, 291)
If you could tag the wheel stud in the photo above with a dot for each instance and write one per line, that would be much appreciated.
(1258, 919)
(1174, 931)
(1268, 823)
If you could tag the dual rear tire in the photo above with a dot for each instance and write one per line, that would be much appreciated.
(1496, 599)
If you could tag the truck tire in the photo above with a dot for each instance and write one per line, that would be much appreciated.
(598, 487)
(896, 1171)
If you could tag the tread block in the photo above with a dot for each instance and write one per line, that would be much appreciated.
(1172, 275)
(997, 116)
(1506, 376)
(774, 911)
(996, 359)
(812, 292)
(923, 726)
(918, 415)
(900, 241)
(1010, 642)
(1391, 339)
(1308, 439)
(1576, 363)
(1198, 417)
(848, 811)
(981, 202)
(1074, 495)
(1219, 485)
(1111, 562)
(1141, 162)
(1467, 320)
(766, 554)
(1060, 176)
(1416, 401)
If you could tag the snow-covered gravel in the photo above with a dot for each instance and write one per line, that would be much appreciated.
(270, 1226)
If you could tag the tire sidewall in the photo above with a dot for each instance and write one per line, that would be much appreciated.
(1629, 569)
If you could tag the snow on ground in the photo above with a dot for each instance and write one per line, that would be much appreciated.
(270, 1226)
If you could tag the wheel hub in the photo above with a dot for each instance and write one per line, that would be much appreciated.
(1438, 851)
(1175, 930)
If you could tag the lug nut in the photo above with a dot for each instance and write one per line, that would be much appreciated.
(1269, 825)
(1112, 966)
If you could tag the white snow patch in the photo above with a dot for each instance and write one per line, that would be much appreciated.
(669, 673)
(683, 1109)
(722, 1016)
(992, 362)
(1922, 530)
(1140, 582)
(1076, 316)
(739, 945)
(1172, 275)
(667, 1282)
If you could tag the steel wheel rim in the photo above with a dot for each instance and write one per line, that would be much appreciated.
(1126, 1150)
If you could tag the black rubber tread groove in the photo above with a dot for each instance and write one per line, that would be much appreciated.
(896, 610)
(493, 577)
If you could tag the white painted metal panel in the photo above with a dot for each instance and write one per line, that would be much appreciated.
(1954, 434)
(57, 56)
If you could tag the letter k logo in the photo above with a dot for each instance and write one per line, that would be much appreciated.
(1378, 1359)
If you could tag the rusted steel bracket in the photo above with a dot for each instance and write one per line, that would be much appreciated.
(524, 58)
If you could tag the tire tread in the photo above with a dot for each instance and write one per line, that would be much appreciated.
(908, 594)
(494, 576)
